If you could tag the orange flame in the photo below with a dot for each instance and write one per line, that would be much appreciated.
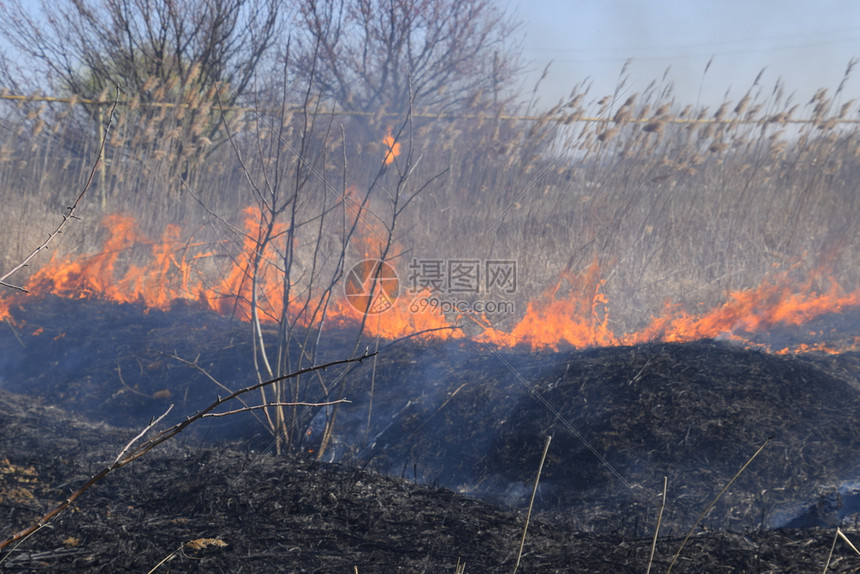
(392, 148)
(398, 321)
(133, 268)
(156, 285)
(234, 293)
(580, 319)
(746, 312)
(171, 271)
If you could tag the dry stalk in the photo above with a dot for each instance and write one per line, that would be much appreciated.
(839, 534)
(531, 503)
(197, 544)
(713, 502)
(659, 520)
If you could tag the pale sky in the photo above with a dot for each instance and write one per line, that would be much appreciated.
(807, 43)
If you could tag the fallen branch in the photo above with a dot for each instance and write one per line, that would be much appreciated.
(131, 452)
(266, 405)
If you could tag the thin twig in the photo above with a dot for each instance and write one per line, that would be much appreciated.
(273, 404)
(140, 435)
(418, 334)
(123, 383)
(209, 376)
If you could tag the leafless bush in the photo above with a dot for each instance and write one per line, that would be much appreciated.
(369, 55)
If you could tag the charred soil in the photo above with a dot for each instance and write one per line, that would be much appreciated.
(441, 472)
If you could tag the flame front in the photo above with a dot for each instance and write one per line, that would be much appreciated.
(156, 285)
(748, 312)
(131, 268)
(580, 318)
(172, 271)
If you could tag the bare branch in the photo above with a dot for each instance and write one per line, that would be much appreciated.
(88, 46)
(131, 453)
(372, 53)
(141, 434)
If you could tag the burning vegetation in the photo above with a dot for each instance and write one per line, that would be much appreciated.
(663, 287)
(132, 268)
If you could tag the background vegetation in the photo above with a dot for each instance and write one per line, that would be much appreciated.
(672, 203)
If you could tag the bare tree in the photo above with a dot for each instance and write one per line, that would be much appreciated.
(89, 46)
(171, 59)
(308, 221)
(401, 53)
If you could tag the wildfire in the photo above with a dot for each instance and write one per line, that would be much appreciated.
(745, 312)
(398, 321)
(107, 276)
(132, 268)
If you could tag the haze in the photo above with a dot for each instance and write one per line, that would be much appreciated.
(806, 44)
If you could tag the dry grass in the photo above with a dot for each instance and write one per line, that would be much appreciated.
(671, 202)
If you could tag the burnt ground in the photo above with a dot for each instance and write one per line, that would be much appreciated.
(444, 469)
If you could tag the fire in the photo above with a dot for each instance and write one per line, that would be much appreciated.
(580, 318)
(107, 276)
(392, 148)
(398, 321)
(167, 273)
(820, 348)
(234, 293)
(132, 268)
(746, 312)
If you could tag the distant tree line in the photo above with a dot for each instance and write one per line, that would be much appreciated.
(362, 54)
